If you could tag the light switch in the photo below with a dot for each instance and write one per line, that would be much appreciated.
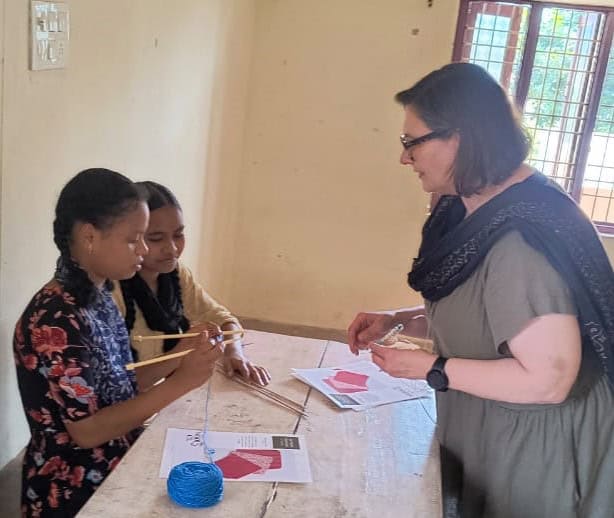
(50, 30)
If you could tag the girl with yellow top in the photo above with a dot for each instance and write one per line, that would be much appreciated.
(165, 298)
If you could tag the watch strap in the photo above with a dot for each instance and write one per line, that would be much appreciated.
(439, 364)
(438, 367)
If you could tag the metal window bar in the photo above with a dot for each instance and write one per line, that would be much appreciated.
(573, 60)
(484, 22)
(559, 151)
(584, 126)
(601, 164)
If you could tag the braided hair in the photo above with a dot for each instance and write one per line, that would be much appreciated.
(96, 196)
(163, 311)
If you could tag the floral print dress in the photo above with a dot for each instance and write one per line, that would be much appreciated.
(70, 364)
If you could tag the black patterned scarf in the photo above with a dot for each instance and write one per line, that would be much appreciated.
(163, 311)
(549, 221)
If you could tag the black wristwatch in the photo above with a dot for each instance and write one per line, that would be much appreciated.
(437, 377)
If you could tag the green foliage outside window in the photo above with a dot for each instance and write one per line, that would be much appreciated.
(563, 56)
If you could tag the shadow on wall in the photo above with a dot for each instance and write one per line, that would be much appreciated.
(10, 488)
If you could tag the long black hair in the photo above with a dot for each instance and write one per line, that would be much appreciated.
(163, 311)
(96, 196)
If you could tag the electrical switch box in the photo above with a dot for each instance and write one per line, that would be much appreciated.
(49, 30)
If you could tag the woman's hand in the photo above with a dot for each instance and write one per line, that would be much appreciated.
(366, 328)
(118, 419)
(369, 327)
(402, 363)
(198, 366)
(235, 361)
(212, 330)
(148, 375)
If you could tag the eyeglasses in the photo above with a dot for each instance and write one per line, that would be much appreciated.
(408, 143)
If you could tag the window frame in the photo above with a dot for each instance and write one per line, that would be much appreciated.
(524, 76)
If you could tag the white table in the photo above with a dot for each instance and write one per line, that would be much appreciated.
(380, 463)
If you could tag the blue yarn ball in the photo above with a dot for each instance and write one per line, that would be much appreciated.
(196, 484)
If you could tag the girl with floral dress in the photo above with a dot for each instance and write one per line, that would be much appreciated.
(84, 409)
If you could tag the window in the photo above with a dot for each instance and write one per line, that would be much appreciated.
(557, 62)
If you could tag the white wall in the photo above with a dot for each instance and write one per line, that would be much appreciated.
(136, 97)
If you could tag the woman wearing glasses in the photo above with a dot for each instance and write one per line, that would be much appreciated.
(519, 302)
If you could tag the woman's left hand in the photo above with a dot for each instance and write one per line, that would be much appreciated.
(234, 361)
(402, 363)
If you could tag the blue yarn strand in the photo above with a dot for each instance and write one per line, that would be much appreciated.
(208, 451)
(197, 484)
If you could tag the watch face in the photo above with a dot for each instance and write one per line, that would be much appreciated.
(436, 380)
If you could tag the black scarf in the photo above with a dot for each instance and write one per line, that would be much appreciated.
(549, 221)
(162, 311)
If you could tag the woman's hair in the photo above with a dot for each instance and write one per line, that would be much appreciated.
(163, 311)
(158, 196)
(464, 98)
(96, 196)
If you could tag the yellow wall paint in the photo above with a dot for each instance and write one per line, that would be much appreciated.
(225, 150)
(136, 97)
(329, 220)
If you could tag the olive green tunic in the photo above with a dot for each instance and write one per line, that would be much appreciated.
(512, 460)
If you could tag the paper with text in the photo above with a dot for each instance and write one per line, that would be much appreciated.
(361, 384)
(248, 457)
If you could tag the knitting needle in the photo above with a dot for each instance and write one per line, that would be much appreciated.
(273, 396)
(158, 359)
(264, 390)
(163, 358)
(139, 338)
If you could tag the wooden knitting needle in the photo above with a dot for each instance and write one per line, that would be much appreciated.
(157, 359)
(280, 400)
(259, 388)
(139, 338)
(271, 396)
(163, 358)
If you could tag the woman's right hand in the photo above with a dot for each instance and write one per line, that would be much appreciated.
(191, 342)
(366, 328)
(198, 366)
